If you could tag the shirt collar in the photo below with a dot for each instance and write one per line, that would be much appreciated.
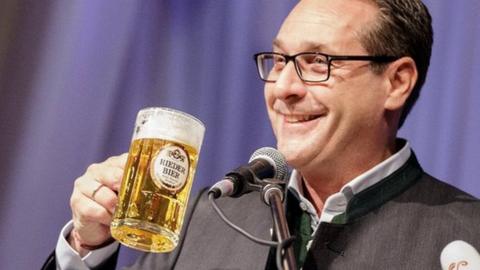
(336, 203)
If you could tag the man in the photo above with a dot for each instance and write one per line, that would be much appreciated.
(340, 81)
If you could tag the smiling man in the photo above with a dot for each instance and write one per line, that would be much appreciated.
(329, 114)
(339, 82)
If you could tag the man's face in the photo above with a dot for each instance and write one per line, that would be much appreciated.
(315, 123)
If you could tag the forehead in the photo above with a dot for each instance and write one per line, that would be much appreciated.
(332, 26)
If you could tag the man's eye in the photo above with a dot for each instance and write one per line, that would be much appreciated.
(278, 60)
(318, 60)
(316, 64)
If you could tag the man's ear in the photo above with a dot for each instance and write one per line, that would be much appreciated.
(402, 75)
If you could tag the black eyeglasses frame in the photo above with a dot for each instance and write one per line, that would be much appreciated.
(330, 59)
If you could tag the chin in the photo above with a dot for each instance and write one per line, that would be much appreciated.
(294, 154)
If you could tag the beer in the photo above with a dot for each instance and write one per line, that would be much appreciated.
(155, 187)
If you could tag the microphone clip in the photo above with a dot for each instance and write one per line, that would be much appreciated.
(272, 186)
(250, 183)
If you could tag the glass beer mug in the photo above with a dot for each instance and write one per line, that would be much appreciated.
(157, 179)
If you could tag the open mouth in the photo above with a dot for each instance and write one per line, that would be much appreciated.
(301, 118)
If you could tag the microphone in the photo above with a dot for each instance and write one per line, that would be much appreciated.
(459, 255)
(266, 162)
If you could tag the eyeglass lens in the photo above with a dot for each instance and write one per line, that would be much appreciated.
(309, 66)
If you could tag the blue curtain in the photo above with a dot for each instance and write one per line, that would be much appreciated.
(73, 74)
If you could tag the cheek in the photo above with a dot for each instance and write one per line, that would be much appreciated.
(268, 95)
(364, 109)
(269, 100)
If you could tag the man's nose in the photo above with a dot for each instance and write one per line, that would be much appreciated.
(289, 84)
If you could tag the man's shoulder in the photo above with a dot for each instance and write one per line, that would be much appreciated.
(439, 204)
(432, 191)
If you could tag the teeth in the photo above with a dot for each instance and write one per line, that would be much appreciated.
(299, 118)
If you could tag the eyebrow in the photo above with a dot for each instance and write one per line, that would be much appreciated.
(277, 43)
(307, 45)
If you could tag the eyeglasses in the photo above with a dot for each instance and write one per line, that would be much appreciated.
(310, 66)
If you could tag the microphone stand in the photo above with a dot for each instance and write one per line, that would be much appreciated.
(272, 195)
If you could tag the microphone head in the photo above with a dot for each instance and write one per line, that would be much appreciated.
(275, 158)
(459, 255)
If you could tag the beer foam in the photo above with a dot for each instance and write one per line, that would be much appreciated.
(169, 124)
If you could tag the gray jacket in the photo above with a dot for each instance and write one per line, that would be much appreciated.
(402, 222)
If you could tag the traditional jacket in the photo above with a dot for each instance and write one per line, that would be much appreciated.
(402, 222)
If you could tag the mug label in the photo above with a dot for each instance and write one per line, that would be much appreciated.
(169, 168)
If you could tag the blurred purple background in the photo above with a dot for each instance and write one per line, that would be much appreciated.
(73, 74)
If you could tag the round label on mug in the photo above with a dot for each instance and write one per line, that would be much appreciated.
(169, 168)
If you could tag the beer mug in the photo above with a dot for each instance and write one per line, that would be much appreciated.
(157, 179)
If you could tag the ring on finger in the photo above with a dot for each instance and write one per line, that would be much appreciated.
(96, 190)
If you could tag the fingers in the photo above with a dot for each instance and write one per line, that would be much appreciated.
(118, 161)
(106, 197)
(103, 174)
(108, 173)
(94, 199)
(101, 180)
(91, 220)
(92, 191)
(88, 211)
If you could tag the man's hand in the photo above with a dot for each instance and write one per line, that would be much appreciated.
(93, 202)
